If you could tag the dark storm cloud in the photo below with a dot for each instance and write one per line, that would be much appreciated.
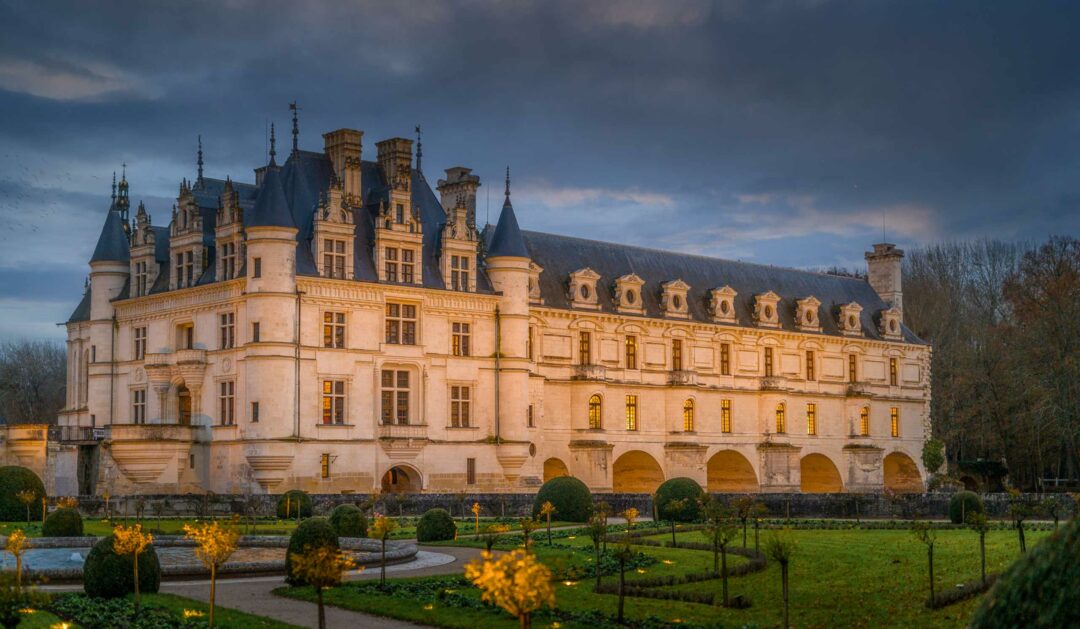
(782, 132)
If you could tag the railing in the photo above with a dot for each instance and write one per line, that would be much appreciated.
(858, 389)
(188, 356)
(589, 372)
(403, 431)
(682, 376)
(150, 432)
(773, 383)
(81, 433)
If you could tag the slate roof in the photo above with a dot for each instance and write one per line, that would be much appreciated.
(112, 244)
(82, 311)
(271, 206)
(561, 255)
(507, 241)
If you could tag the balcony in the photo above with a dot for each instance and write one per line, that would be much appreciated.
(589, 372)
(858, 389)
(190, 357)
(682, 377)
(773, 383)
(403, 431)
(150, 432)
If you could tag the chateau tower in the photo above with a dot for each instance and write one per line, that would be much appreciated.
(883, 266)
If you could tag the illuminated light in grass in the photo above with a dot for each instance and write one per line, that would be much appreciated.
(668, 561)
(27, 610)
(60, 625)
(555, 625)
(571, 537)
(429, 607)
(641, 571)
(569, 583)
(193, 613)
(676, 620)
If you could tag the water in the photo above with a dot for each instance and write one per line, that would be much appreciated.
(68, 558)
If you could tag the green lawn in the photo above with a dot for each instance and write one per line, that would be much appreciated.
(858, 578)
(40, 619)
(223, 617)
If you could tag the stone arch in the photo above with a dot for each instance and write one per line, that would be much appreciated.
(554, 468)
(969, 483)
(636, 472)
(402, 479)
(818, 475)
(729, 472)
(902, 474)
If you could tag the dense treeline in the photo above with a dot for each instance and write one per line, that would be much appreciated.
(1004, 320)
(32, 380)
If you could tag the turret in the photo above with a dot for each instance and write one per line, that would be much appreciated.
(109, 265)
(883, 266)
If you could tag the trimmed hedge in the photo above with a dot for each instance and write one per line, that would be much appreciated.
(435, 525)
(1041, 589)
(962, 503)
(572, 499)
(63, 522)
(291, 498)
(108, 575)
(681, 488)
(349, 521)
(13, 479)
(312, 533)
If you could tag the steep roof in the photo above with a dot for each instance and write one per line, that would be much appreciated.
(271, 206)
(561, 255)
(82, 311)
(507, 240)
(112, 244)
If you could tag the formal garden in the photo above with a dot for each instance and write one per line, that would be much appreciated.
(574, 561)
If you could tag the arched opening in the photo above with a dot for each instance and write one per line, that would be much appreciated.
(400, 479)
(554, 468)
(901, 474)
(183, 405)
(636, 472)
(819, 475)
(730, 472)
(970, 483)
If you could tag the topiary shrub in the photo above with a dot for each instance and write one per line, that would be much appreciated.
(63, 522)
(312, 533)
(572, 499)
(435, 525)
(14, 479)
(289, 500)
(349, 521)
(108, 575)
(682, 488)
(962, 503)
(1041, 589)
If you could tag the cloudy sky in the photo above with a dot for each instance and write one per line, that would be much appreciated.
(778, 132)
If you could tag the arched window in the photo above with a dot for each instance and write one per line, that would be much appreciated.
(596, 421)
(781, 420)
(864, 421)
(688, 416)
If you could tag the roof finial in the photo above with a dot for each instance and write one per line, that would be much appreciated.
(295, 126)
(114, 185)
(200, 162)
(507, 184)
(273, 141)
(419, 149)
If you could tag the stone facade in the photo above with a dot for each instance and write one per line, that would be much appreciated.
(370, 336)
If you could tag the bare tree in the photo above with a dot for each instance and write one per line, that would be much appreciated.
(32, 380)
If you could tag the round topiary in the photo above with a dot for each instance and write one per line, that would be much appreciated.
(108, 575)
(435, 525)
(571, 498)
(63, 522)
(1041, 589)
(312, 533)
(13, 480)
(349, 521)
(962, 503)
(289, 501)
(684, 489)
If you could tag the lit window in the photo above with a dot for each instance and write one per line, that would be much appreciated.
(631, 352)
(893, 369)
(227, 329)
(395, 396)
(894, 421)
(631, 412)
(333, 330)
(852, 368)
(459, 339)
(725, 415)
(811, 418)
(676, 354)
(459, 272)
(768, 362)
(781, 420)
(596, 415)
(138, 406)
(401, 324)
(585, 348)
(228, 260)
(810, 365)
(864, 421)
(725, 359)
(334, 258)
(324, 465)
(333, 402)
(140, 343)
(226, 400)
(688, 416)
(459, 406)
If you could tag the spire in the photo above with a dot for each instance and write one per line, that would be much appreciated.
(114, 185)
(273, 141)
(199, 162)
(507, 239)
(419, 150)
(506, 202)
(112, 244)
(122, 200)
(295, 126)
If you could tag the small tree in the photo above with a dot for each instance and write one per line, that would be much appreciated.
(492, 533)
(597, 529)
(528, 525)
(1020, 510)
(214, 544)
(105, 496)
(16, 545)
(978, 522)
(603, 509)
(759, 513)
(933, 455)
(720, 530)
(130, 540)
(476, 513)
(517, 582)
(1051, 507)
(672, 510)
(744, 507)
(780, 547)
(630, 515)
(27, 497)
(320, 567)
(381, 530)
(927, 534)
(624, 554)
(547, 510)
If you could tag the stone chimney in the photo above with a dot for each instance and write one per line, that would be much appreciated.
(343, 149)
(395, 160)
(883, 267)
(459, 189)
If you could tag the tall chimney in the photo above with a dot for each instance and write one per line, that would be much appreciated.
(343, 149)
(883, 266)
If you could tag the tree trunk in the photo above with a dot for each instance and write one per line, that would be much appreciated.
(982, 556)
(744, 533)
(18, 574)
(930, 556)
(322, 610)
(673, 534)
(784, 581)
(136, 555)
(622, 586)
(596, 547)
(213, 591)
(723, 572)
(1020, 532)
(525, 621)
(382, 564)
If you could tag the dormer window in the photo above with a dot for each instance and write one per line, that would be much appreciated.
(333, 258)
(460, 272)
(850, 319)
(722, 304)
(582, 291)
(333, 236)
(806, 314)
(534, 283)
(673, 300)
(890, 323)
(765, 310)
(228, 260)
(628, 294)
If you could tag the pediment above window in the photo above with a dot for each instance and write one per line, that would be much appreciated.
(628, 294)
(807, 317)
(582, 289)
(722, 304)
(765, 310)
(851, 319)
(890, 324)
(673, 299)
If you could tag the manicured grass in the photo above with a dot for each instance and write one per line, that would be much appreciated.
(223, 617)
(41, 619)
(856, 577)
